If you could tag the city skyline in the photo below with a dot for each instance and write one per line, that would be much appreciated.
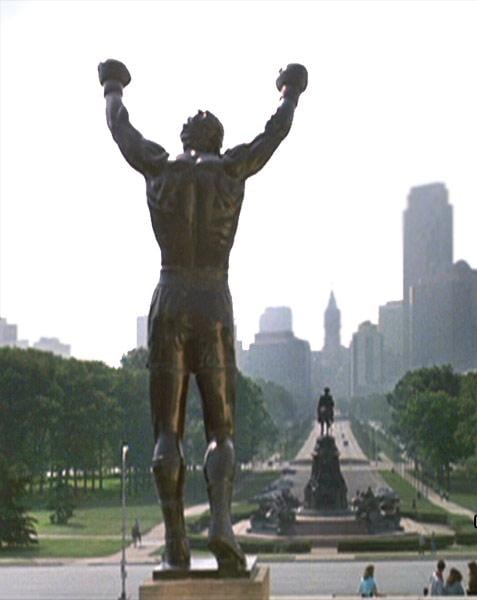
(389, 107)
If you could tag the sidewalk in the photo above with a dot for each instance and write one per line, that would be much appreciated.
(151, 541)
(433, 497)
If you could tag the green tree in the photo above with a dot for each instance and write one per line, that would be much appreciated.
(131, 392)
(434, 415)
(467, 429)
(256, 433)
(434, 379)
(60, 501)
(432, 419)
(17, 528)
(279, 402)
(135, 359)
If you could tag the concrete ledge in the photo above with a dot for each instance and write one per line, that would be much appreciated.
(354, 596)
(255, 588)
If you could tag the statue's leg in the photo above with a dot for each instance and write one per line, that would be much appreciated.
(168, 392)
(217, 388)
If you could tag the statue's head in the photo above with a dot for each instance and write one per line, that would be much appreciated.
(327, 390)
(203, 132)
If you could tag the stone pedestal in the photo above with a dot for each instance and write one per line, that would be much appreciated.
(203, 582)
(326, 489)
(314, 524)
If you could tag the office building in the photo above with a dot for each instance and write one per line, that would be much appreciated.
(366, 361)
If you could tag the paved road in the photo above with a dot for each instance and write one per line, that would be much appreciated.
(288, 579)
(341, 432)
(347, 445)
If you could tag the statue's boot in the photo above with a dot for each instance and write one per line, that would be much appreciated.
(222, 542)
(219, 471)
(169, 471)
(176, 552)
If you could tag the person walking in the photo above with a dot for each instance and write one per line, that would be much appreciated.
(453, 585)
(367, 586)
(136, 534)
(436, 582)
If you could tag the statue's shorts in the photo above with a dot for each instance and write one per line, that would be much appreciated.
(191, 326)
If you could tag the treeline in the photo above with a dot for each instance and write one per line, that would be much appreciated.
(374, 407)
(292, 419)
(434, 416)
(65, 419)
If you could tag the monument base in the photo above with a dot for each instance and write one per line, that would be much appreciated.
(202, 582)
(312, 523)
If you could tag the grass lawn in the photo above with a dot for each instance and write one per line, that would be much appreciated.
(463, 487)
(67, 548)
(99, 514)
(467, 500)
(407, 493)
(99, 520)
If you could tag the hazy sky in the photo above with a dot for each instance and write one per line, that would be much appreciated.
(391, 103)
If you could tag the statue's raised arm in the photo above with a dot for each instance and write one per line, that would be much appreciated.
(246, 159)
(143, 155)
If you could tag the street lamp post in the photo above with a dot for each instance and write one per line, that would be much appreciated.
(124, 453)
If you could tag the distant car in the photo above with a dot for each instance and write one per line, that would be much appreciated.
(345, 442)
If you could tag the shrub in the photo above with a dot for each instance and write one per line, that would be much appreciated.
(60, 502)
(426, 517)
(255, 546)
(466, 537)
(17, 528)
(393, 544)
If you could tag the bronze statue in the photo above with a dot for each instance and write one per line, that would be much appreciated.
(325, 412)
(194, 203)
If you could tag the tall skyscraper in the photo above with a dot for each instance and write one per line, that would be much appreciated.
(440, 298)
(443, 327)
(428, 238)
(427, 248)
